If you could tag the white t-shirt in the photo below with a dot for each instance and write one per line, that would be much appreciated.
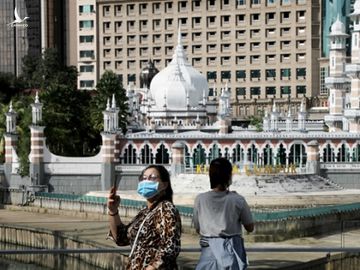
(221, 213)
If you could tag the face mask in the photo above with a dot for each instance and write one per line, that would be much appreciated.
(147, 188)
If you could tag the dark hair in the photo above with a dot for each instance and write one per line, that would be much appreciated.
(165, 177)
(220, 172)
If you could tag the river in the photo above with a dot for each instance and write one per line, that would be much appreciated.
(27, 262)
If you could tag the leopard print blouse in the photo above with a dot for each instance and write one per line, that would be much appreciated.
(158, 243)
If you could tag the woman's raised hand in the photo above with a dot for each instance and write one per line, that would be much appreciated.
(113, 201)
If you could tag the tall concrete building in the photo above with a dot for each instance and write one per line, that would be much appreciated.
(43, 28)
(264, 50)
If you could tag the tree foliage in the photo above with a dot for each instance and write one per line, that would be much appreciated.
(108, 85)
(73, 119)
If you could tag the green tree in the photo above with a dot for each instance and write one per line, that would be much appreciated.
(10, 86)
(67, 122)
(256, 121)
(108, 85)
(43, 71)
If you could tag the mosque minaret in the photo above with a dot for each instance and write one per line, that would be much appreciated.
(337, 82)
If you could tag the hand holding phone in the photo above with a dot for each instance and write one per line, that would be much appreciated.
(113, 200)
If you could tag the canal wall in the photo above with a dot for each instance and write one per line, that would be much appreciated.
(289, 224)
(45, 239)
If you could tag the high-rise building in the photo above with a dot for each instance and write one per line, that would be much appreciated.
(264, 50)
(20, 36)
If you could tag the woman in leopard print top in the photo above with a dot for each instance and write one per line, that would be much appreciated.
(154, 234)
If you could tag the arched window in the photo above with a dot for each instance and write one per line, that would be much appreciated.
(281, 155)
(356, 153)
(268, 155)
(328, 154)
(199, 156)
(130, 155)
(252, 154)
(297, 155)
(214, 152)
(146, 155)
(238, 154)
(343, 154)
(162, 155)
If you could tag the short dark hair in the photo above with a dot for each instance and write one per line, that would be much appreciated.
(165, 177)
(220, 172)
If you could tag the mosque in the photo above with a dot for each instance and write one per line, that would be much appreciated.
(174, 122)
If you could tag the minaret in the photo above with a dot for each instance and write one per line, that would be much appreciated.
(108, 148)
(337, 80)
(266, 122)
(353, 71)
(37, 144)
(289, 121)
(11, 139)
(302, 117)
(274, 118)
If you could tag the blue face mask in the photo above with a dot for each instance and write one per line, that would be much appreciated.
(147, 188)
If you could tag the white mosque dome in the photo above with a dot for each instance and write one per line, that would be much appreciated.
(338, 28)
(179, 83)
(356, 8)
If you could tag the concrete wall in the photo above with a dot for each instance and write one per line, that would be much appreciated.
(345, 179)
(37, 238)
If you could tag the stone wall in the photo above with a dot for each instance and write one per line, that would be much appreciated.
(38, 238)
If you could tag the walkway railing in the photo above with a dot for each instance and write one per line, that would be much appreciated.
(184, 250)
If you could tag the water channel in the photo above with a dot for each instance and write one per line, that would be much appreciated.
(27, 262)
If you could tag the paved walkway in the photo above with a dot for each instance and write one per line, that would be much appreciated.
(94, 227)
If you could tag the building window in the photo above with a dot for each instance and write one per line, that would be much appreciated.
(285, 2)
(118, 10)
(156, 8)
(240, 19)
(285, 73)
(87, 84)
(270, 74)
(87, 54)
(323, 74)
(225, 75)
(182, 6)
(87, 68)
(254, 59)
(86, 9)
(270, 90)
(130, 9)
(300, 72)
(241, 74)
(240, 59)
(255, 18)
(86, 39)
(301, 89)
(225, 20)
(255, 73)
(240, 91)
(88, 24)
(211, 75)
(285, 90)
(271, 2)
(241, 2)
(106, 26)
(131, 77)
(255, 2)
(106, 11)
(255, 91)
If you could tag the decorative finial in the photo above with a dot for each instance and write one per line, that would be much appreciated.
(274, 106)
(113, 102)
(302, 106)
(11, 107)
(108, 105)
(37, 97)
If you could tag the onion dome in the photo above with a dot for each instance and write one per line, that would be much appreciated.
(179, 82)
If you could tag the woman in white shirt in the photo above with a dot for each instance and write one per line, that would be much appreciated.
(219, 215)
